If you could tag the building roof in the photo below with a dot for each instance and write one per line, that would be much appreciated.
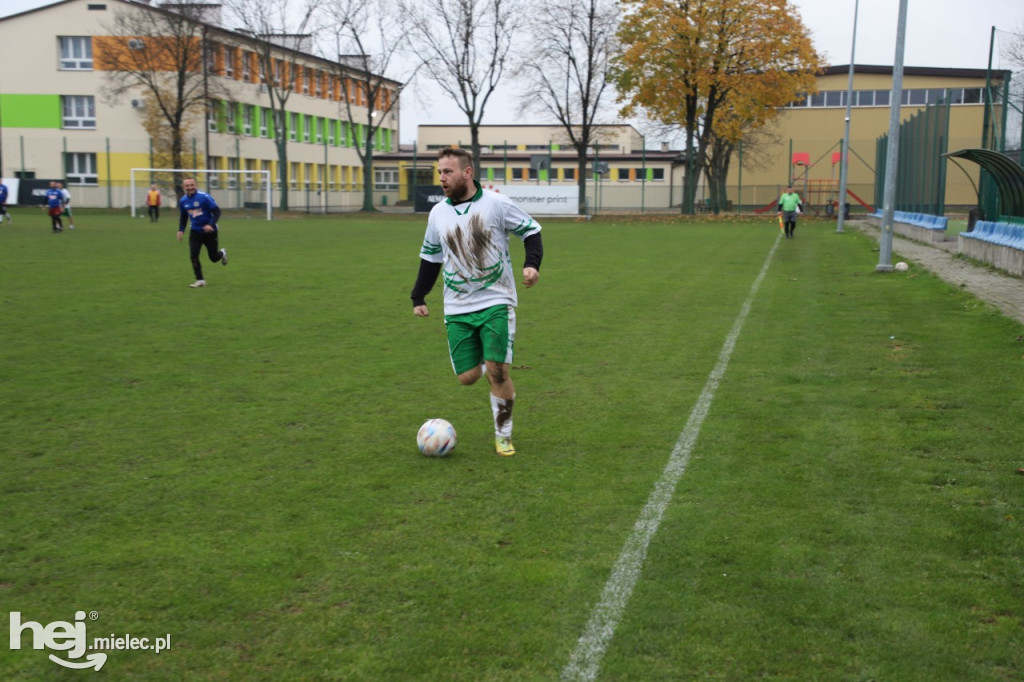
(935, 71)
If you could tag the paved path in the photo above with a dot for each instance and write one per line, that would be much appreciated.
(1001, 290)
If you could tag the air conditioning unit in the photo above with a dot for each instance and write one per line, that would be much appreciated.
(136, 44)
(138, 104)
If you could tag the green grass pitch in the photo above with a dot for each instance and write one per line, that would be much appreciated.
(235, 467)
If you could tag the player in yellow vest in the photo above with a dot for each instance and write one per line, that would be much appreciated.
(153, 202)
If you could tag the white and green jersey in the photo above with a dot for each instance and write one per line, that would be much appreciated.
(470, 240)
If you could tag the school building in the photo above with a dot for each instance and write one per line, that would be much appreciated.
(804, 143)
(58, 120)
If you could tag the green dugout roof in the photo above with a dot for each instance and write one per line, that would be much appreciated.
(1008, 176)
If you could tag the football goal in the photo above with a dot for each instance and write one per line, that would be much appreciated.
(248, 190)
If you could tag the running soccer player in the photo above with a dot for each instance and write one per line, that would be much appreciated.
(55, 207)
(65, 201)
(467, 244)
(3, 203)
(202, 211)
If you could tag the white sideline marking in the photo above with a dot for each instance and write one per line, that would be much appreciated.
(590, 649)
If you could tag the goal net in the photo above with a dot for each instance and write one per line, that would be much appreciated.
(247, 191)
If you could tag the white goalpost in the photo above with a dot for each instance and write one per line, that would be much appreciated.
(231, 189)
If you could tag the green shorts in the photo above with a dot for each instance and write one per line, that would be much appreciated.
(487, 334)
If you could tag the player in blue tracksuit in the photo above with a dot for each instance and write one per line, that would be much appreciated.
(55, 207)
(202, 211)
(3, 203)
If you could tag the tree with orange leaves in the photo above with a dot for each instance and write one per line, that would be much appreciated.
(714, 68)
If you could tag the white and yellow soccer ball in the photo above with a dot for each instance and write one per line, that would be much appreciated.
(901, 267)
(436, 438)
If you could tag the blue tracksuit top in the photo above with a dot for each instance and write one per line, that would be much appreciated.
(53, 198)
(201, 209)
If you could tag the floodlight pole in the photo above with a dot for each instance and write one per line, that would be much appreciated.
(893, 148)
(845, 151)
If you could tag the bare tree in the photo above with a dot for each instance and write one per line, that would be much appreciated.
(465, 47)
(159, 52)
(566, 74)
(367, 37)
(278, 33)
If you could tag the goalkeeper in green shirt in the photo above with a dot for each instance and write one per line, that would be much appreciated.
(789, 208)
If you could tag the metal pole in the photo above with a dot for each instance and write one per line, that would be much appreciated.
(643, 177)
(844, 150)
(892, 152)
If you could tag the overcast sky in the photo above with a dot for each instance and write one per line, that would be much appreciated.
(942, 33)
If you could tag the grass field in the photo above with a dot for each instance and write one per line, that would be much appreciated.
(235, 467)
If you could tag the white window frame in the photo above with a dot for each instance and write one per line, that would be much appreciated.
(78, 112)
(228, 55)
(230, 116)
(293, 129)
(307, 123)
(75, 53)
(264, 122)
(385, 178)
(80, 168)
(247, 119)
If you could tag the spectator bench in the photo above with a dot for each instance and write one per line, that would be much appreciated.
(998, 244)
(921, 227)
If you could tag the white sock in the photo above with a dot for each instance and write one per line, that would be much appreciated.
(503, 408)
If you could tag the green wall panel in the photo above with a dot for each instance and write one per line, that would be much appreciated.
(30, 111)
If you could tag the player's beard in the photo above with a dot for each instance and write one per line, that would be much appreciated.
(457, 189)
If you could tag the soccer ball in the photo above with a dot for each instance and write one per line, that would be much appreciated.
(901, 267)
(436, 438)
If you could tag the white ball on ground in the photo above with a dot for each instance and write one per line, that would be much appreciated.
(436, 438)
(901, 267)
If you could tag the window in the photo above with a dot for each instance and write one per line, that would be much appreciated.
(264, 119)
(295, 176)
(918, 96)
(229, 115)
(76, 53)
(247, 119)
(834, 98)
(309, 174)
(498, 174)
(211, 117)
(864, 98)
(320, 123)
(79, 111)
(246, 73)
(657, 175)
(307, 127)
(213, 179)
(882, 98)
(293, 127)
(972, 95)
(229, 61)
(330, 132)
(385, 178)
(80, 168)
